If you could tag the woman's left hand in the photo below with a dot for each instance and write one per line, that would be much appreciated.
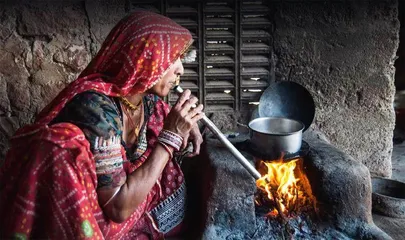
(196, 138)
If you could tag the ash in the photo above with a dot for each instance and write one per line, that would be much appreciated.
(269, 228)
(297, 227)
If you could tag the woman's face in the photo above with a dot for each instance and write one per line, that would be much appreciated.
(162, 88)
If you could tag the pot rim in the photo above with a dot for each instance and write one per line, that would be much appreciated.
(276, 133)
(373, 191)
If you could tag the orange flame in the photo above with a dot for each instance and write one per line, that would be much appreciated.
(282, 186)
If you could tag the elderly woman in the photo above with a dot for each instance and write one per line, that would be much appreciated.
(98, 161)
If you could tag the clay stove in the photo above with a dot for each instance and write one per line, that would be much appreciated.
(224, 202)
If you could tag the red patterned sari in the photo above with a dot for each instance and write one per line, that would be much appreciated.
(49, 179)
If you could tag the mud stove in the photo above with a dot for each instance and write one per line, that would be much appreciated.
(328, 198)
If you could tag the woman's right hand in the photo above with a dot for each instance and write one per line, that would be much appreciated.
(182, 117)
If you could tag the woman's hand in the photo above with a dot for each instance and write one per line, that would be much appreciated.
(182, 118)
(196, 138)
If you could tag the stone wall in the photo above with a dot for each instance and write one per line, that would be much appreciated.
(341, 51)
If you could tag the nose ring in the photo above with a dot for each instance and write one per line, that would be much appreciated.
(177, 80)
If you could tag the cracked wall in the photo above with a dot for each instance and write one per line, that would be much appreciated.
(44, 45)
(343, 52)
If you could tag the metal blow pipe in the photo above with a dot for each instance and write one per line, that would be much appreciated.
(242, 160)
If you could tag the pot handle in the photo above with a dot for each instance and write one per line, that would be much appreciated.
(242, 125)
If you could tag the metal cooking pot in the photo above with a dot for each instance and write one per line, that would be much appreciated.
(274, 136)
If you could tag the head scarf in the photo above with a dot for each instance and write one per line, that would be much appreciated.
(136, 54)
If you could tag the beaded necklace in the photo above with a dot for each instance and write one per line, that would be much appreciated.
(129, 104)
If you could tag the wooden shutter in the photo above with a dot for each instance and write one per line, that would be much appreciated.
(220, 55)
(256, 48)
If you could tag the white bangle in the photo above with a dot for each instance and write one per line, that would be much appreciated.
(115, 193)
(170, 138)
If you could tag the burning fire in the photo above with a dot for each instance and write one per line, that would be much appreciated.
(283, 186)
